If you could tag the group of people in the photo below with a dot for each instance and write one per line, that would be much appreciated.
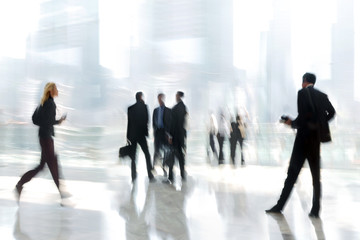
(169, 134)
(221, 130)
(314, 112)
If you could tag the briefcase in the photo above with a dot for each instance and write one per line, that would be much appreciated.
(125, 151)
(169, 155)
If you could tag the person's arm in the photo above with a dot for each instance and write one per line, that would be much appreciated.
(153, 120)
(129, 124)
(147, 121)
(330, 110)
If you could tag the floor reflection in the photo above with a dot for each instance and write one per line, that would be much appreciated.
(214, 203)
(318, 226)
(283, 226)
(19, 233)
(161, 216)
(38, 222)
(136, 225)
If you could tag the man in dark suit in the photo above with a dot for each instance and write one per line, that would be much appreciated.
(178, 135)
(137, 131)
(237, 134)
(314, 112)
(161, 124)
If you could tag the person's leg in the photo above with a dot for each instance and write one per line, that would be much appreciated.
(30, 174)
(132, 156)
(221, 144)
(166, 158)
(295, 165)
(181, 158)
(145, 149)
(163, 146)
(212, 143)
(171, 161)
(233, 143)
(156, 147)
(314, 163)
(178, 152)
(53, 164)
(241, 141)
(51, 160)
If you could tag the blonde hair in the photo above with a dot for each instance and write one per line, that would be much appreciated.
(47, 89)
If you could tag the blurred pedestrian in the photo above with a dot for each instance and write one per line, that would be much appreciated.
(177, 136)
(314, 112)
(213, 129)
(45, 119)
(237, 135)
(137, 131)
(161, 124)
(222, 134)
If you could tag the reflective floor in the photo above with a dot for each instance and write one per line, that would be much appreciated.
(214, 203)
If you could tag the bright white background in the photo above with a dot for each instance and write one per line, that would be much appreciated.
(246, 56)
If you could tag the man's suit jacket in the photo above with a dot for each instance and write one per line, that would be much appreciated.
(166, 119)
(138, 119)
(314, 112)
(177, 130)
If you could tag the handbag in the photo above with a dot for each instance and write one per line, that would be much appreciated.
(37, 115)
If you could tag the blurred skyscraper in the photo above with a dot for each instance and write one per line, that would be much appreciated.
(233, 54)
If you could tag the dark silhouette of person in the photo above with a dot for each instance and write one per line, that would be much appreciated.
(46, 134)
(213, 129)
(177, 136)
(223, 132)
(314, 112)
(161, 124)
(137, 131)
(237, 135)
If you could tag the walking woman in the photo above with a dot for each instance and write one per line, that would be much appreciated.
(46, 133)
